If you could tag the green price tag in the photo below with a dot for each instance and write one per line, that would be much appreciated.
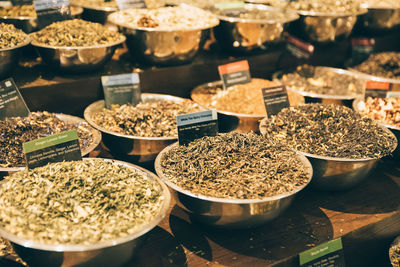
(328, 254)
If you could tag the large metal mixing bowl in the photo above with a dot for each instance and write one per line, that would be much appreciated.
(114, 252)
(231, 121)
(77, 59)
(246, 34)
(231, 213)
(336, 174)
(133, 148)
(9, 58)
(162, 47)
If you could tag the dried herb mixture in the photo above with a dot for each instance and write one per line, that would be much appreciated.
(385, 64)
(27, 11)
(78, 202)
(384, 110)
(147, 119)
(329, 130)
(328, 6)
(18, 130)
(234, 166)
(394, 253)
(76, 33)
(10, 36)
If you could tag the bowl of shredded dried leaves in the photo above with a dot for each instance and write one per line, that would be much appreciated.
(233, 180)
(342, 145)
(94, 212)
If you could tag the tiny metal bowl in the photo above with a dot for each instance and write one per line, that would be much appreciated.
(231, 213)
(343, 100)
(114, 252)
(9, 57)
(162, 47)
(337, 174)
(231, 121)
(133, 148)
(30, 24)
(77, 59)
(246, 35)
(96, 137)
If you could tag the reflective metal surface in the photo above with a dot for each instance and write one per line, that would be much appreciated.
(132, 148)
(77, 59)
(231, 213)
(231, 121)
(244, 35)
(83, 125)
(30, 24)
(9, 58)
(336, 174)
(108, 253)
(162, 47)
(97, 14)
(381, 19)
(343, 100)
(326, 27)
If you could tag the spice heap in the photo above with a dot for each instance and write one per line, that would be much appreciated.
(27, 11)
(78, 202)
(241, 98)
(385, 64)
(10, 36)
(166, 18)
(327, 6)
(319, 80)
(95, 4)
(150, 119)
(72, 33)
(234, 166)
(384, 110)
(18, 130)
(253, 14)
(383, 3)
(394, 253)
(329, 130)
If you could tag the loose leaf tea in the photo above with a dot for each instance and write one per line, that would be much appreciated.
(78, 202)
(394, 254)
(241, 98)
(73, 33)
(234, 166)
(327, 6)
(150, 119)
(329, 130)
(10, 36)
(384, 110)
(385, 64)
(24, 11)
(18, 130)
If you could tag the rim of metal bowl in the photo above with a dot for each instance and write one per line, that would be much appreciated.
(374, 77)
(356, 107)
(89, 110)
(160, 173)
(262, 131)
(139, 231)
(36, 44)
(78, 11)
(75, 120)
(290, 15)
(331, 14)
(323, 96)
(27, 41)
(219, 82)
(113, 18)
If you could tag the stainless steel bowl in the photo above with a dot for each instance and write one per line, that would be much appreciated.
(9, 57)
(162, 47)
(231, 121)
(83, 125)
(231, 213)
(378, 19)
(114, 252)
(358, 105)
(337, 174)
(245, 35)
(132, 148)
(77, 59)
(30, 24)
(308, 97)
(326, 27)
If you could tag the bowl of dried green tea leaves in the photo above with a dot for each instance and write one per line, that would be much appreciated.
(233, 180)
(80, 213)
(342, 145)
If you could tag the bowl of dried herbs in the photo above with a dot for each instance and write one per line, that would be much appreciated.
(76, 45)
(94, 212)
(138, 133)
(394, 253)
(342, 145)
(233, 180)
